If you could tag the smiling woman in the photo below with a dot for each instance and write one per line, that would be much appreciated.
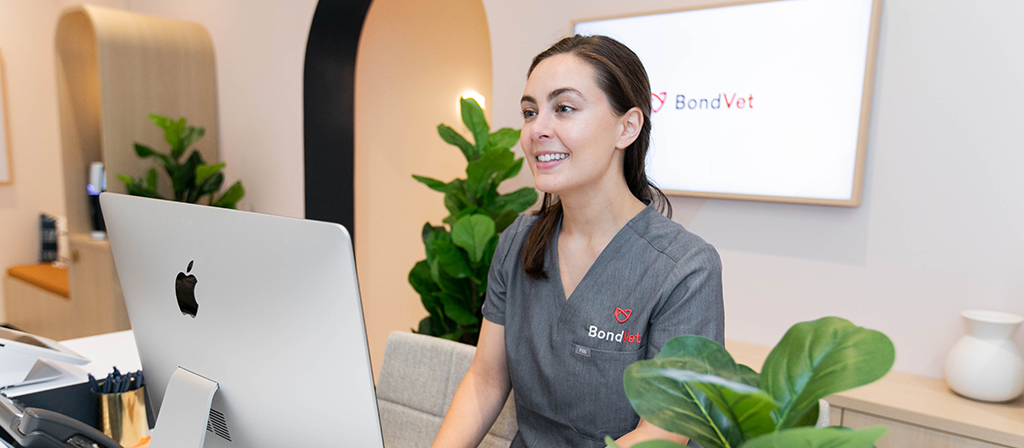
(596, 279)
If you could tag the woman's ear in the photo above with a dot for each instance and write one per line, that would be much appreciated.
(630, 122)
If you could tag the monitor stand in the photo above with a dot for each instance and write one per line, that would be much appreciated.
(185, 411)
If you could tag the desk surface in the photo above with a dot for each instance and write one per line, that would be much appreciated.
(918, 400)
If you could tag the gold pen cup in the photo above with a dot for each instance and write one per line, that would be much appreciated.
(123, 416)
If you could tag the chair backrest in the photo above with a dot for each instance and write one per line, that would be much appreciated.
(417, 381)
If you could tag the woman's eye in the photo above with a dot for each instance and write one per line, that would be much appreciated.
(563, 109)
(528, 113)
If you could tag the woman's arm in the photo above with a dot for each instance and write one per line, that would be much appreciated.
(647, 431)
(481, 395)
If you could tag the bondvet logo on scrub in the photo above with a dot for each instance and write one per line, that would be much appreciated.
(621, 316)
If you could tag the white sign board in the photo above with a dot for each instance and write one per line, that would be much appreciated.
(758, 101)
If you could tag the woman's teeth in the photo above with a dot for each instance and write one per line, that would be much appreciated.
(551, 157)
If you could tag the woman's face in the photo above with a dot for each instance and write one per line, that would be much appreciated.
(571, 135)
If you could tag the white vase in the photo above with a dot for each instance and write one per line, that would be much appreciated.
(985, 364)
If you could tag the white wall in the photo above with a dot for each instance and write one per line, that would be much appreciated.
(260, 46)
(26, 46)
(940, 227)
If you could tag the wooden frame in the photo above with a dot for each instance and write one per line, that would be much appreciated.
(865, 110)
(6, 170)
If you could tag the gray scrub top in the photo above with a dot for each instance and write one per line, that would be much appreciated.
(654, 281)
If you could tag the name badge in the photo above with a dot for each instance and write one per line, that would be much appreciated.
(582, 351)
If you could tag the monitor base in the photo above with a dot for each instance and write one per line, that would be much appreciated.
(185, 411)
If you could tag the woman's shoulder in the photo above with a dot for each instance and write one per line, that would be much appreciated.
(670, 237)
(520, 228)
(511, 240)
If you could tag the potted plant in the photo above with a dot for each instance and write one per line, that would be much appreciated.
(452, 280)
(191, 180)
(693, 387)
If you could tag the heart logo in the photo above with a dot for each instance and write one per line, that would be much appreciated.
(622, 315)
(657, 105)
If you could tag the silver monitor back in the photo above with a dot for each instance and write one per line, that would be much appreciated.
(279, 322)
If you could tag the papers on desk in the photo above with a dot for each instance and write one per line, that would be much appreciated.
(104, 351)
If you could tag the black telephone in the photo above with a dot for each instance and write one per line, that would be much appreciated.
(39, 428)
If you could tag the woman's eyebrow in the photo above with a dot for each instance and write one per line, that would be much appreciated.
(555, 93)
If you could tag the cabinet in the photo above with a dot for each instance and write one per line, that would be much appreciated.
(906, 435)
(919, 411)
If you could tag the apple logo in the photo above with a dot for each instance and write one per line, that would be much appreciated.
(185, 290)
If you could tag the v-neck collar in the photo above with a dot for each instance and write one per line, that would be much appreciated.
(555, 262)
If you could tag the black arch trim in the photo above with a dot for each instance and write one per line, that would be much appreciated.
(328, 108)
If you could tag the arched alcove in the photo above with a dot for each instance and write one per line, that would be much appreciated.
(114, 68)
(414, 59)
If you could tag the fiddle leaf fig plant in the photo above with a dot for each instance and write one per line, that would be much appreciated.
(452, 280)
(191, 180)
(693, 387)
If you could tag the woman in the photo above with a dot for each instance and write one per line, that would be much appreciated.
(594, 281)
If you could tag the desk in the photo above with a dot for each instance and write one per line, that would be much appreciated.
(920, 411)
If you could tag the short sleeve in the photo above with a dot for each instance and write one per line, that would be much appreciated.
(497, 277)
(694, 304)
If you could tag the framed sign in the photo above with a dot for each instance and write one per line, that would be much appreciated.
(765, 100)
(5, 141)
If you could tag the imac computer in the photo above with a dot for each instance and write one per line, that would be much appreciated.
(249, 327)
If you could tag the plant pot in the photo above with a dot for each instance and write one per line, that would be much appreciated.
(985, 364)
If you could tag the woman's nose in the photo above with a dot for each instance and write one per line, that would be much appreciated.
(540, 126)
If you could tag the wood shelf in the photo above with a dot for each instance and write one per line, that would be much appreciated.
(920, 401)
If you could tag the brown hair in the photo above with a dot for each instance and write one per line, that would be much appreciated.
(622, 77)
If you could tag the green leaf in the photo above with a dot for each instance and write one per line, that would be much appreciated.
(479, 173)
(819, 358)
(819, 438)
(504, 219)
(516, 201)
(502, 139)
(748, 376)
(473, 117)
(425, 327)
(678, 408)
(450, 258)
(745, 406)
(431, 235)
(648, 444)
(163, 160)
(510, 172)
(713, 414)
(151, 180)
(454, 138)
(419, 278)
(184, 176)
(472, 233)
(456, 311)
(211, 185)
(231, 197)
(434, 184)
(698, 399)
(189, 135)
(204, 172)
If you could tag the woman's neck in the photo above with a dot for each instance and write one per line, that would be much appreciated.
(598, 215)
